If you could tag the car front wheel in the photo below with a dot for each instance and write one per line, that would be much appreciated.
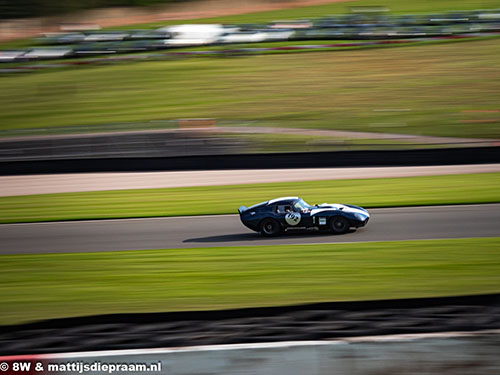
(339, 225)
(270, 227)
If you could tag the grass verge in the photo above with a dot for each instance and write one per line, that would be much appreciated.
(441, 89)
(210, 200)
(36, 287)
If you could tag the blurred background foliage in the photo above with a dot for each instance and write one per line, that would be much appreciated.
(38, 8)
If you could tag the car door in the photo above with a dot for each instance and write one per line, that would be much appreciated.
(287, 215)
(294, 217)
(305, 217)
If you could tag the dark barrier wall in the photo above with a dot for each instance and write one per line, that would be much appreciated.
(475, 155)
(318, 321)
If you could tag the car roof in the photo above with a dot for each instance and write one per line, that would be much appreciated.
(282, 199)
(272, 201)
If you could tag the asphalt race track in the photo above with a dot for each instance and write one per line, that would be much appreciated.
(386, 224)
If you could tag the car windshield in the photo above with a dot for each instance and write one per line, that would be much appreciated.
(301, 205)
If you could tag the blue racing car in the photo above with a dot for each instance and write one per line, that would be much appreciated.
(275, 216)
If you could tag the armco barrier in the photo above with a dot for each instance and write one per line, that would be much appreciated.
(446, 156)
(445, 353)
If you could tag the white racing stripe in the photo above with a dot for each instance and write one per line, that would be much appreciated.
(336, 207)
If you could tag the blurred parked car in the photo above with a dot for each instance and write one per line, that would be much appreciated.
(10, 56)
(47, 53)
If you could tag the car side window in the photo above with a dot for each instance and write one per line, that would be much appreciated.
(282, 209)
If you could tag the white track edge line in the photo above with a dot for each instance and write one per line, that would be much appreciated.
(235, 215)
(266, 345)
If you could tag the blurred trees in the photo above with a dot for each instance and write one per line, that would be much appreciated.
(39, 8)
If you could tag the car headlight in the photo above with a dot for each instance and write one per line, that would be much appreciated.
(360, 217)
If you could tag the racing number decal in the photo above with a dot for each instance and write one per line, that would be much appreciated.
(292, 218)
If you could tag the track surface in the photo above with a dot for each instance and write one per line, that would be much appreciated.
(77, 182)
(386, 224)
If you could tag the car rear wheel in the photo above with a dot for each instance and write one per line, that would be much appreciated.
(270, 227)
(339, 225)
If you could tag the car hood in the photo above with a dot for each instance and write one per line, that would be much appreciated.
(339, 207)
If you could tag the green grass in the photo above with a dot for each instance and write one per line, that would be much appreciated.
(409, 191)
(337, 90)
(35, 287)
